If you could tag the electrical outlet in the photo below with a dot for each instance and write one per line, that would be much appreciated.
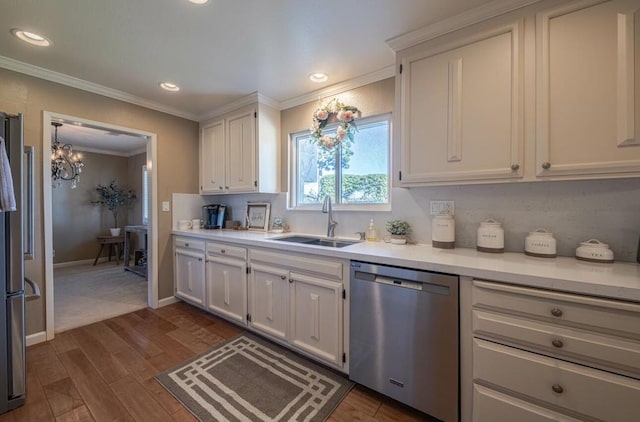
(166, 207)
(438, 207)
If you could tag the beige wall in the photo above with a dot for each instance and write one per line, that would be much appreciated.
(177, 153)
(76, 221)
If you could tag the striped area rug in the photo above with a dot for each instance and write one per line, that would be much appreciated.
(251, 379)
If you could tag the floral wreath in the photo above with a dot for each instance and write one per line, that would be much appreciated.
(345, 114)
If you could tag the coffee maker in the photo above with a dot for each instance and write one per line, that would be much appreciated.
(214, 216)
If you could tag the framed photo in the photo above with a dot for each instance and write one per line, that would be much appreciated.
(258, 216)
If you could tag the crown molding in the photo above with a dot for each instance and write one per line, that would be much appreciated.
(464, 19)
(254, 97)
(369, 78)
(60, 78)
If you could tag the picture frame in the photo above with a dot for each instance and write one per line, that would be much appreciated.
(258, 216)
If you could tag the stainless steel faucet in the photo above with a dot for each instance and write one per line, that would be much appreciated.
(331, 223)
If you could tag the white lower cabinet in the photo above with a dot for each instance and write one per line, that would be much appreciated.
(316, 320)
(299, 300)
(226, 276)
(189, 271)
(269, 301)
(227, 287)
(541, 355)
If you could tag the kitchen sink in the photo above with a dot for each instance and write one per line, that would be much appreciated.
(317, 241)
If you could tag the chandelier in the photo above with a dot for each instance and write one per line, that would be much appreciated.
(65, 165)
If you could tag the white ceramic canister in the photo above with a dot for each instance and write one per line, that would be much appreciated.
(540, 243)
(443, 231)
(490, 237)
(594, 250)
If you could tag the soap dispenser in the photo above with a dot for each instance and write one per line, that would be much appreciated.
(372, 234)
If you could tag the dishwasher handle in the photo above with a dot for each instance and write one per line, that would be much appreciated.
(414, 285)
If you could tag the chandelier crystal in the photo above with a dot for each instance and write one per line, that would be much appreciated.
(65, 165)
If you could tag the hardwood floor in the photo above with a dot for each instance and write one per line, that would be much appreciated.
(104, 371)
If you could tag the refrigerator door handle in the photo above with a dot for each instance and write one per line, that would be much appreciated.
(34, 287)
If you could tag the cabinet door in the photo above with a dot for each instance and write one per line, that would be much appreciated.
(212, 158)
(189, 277)
(316, 317)
(227, 287)
(269, 300)
(588, 124)
(461, 109)
(241, 152)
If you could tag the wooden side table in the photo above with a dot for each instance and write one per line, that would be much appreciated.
(113, 242)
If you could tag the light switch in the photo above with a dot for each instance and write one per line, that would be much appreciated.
(166, 207)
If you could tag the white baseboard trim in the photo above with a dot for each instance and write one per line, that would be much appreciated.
(36, 338)
(81, 262)
(167, 301)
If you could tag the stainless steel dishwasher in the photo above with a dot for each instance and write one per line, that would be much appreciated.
(404, 336)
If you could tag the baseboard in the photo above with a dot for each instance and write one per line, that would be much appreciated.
(167, 301)
(36, 338)
(81, 262)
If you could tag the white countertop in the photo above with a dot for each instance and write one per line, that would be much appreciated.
(620, 280)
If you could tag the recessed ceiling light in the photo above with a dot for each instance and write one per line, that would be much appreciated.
(31, 37)
(199, 1)
(318, 77)
(169, 86)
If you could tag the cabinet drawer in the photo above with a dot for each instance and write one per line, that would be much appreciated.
(492, 406)
(607, 352)
(556, 383)
(189, 243)
(604, 315)
(226, 250)
(299, 263)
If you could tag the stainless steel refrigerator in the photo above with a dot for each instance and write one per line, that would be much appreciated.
(12, 281)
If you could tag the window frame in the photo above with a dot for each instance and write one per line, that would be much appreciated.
(292, 204)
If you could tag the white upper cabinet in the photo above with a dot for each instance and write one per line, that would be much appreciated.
(587, 89)
(212, 148)
(240, 151)
(461, 109)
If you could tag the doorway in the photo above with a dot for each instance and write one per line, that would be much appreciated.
(80, 276)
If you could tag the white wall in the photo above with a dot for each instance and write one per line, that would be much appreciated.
(608, 210)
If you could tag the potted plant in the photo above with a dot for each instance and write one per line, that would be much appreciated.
(398, 230)
(114, 197)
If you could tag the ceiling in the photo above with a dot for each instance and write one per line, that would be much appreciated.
(217, 52)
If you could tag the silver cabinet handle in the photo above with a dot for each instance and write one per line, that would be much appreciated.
(226, 187)
(283, 277)
(290, 280)
(556, 312)
(546, 165)
(515, 167)
(220, 187)
(36, 290)
(557, 343)
(186, 245)
(557, 388)
(223, 251)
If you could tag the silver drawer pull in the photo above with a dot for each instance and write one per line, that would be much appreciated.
(556, 312)
(546, 165)
(515, 167)
(557, 388)
(557, 343)
(290, 280)
(283, 277)
(186, 245)
(223, 251)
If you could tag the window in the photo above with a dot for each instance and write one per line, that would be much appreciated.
(354, 175)
(145, 195)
